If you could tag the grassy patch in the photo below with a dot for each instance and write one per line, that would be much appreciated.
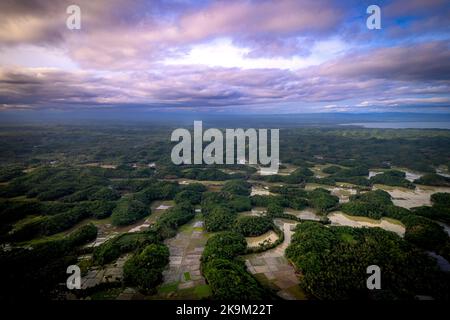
(187, 228)
(108, 294)
(168, 288)
(348, 238)
(297, 292)
(203, 291)
(187, 276)
(392, 188)
(28, 219)
(393, 221)
(198, 292)
(84, 265)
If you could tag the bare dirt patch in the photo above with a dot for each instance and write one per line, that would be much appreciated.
(307, 214)
(341, 219)
(410, 198)
(266, 238)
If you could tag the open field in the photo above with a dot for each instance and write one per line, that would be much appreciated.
(341, 219)
(271, 268)
(408, 198)
(182, 278)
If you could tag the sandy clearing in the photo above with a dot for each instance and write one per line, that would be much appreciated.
(268, 237)
(409, 198)
(258, 190)
(307, 214)
(341, 219)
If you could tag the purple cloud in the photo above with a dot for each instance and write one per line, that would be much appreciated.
(120, 55)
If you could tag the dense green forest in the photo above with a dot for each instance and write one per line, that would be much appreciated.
(123, 146)
(61, 185)
(225, 272)
(440, 209)
(420, 231)
(333, 261)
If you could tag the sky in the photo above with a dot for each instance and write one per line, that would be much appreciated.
(280, 56)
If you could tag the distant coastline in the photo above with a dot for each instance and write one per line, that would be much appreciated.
(401, 125)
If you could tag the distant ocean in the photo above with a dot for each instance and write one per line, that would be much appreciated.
(401, 125)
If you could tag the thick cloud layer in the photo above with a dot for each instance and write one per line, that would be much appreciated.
(275, 56)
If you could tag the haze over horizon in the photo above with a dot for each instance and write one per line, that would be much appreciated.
(226, 56)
